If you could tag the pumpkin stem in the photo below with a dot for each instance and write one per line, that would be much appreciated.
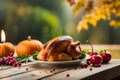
(29, 38)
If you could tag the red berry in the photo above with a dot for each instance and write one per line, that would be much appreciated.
(8, 58)
(88, 62)
(15, 64)
(26, 69)
(85, 65)
(7, 62)
(53, 69)
(67, 75)
(97, 65)
(82, 66)
(11, 54)
(90, 69)
(75, 68)
(19, 64)
(0, 61)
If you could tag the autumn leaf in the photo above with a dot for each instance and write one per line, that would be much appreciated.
(114, 11)
(93, 22)
(89, 5)
(78, 5)
(112, 22)
(71, 2)
(118, 14)
(79, 26)
(62, 1)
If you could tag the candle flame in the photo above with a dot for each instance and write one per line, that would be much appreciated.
(3, 39)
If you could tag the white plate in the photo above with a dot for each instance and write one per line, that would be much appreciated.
(58, 63)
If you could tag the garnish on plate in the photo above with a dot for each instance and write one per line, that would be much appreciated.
(22, 59)
(83, 54)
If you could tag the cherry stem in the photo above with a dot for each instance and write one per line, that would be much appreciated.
(105, 50)
(87, 41)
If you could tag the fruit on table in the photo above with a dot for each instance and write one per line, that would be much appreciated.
(91, 52)
(28, 47)
(10, 60)
(59, 49)
(96, 60)
(6, 48)
(106, 56)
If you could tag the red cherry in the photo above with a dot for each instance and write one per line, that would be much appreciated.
(92, 52)
(106, 56)
(97, 65)
(96, 59)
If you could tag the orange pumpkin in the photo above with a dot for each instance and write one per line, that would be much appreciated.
(28, 47)
(6, 49)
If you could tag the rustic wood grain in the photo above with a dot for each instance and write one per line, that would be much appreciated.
(38, 72)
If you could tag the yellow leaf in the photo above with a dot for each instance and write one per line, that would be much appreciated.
(85, 26)
(78, 5)
(118, 14)
(103, 16)
(113, 10)
(112, 23)
(93, 22)
(79, 26)
(96, 17)
(87, 16)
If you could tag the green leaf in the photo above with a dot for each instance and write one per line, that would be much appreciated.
(22, 59)
(34, 56)
(83, 54)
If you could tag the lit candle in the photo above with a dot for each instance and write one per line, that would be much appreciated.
(3, 39)
(6, 48)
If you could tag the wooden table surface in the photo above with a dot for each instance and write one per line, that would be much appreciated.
(35, 71)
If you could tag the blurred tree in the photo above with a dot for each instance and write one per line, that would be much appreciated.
(23, 18)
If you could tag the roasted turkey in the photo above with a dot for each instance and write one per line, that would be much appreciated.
(61, 48)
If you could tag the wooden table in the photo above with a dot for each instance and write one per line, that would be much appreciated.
(33, 71)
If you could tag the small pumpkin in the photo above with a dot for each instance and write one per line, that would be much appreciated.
(28, 47)
(6, 49)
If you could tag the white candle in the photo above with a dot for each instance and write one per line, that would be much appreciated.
(3, 38)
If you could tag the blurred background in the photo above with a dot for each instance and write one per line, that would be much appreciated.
(46, 19)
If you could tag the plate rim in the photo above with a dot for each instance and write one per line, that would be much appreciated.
(55, 62)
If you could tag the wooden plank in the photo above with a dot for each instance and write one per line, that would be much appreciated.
(34, 71)
(33, 75)
(108, 71)
(2, 67)
(44, 73)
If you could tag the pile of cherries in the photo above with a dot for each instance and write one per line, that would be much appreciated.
(97, 59)
(10, 60)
